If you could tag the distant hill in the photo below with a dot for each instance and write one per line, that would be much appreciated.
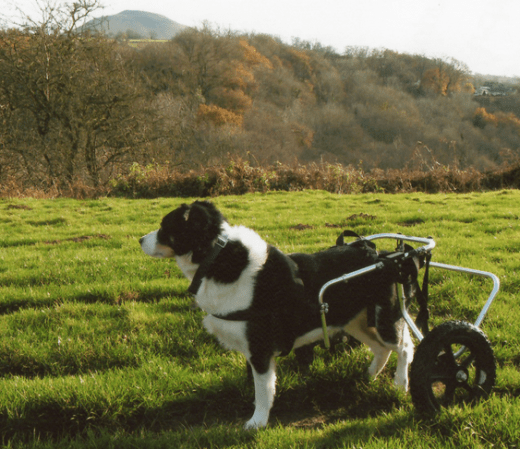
(137, 24)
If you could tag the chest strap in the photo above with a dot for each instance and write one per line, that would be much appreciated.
(203, 267)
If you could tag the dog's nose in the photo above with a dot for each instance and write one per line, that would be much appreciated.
(141, 240)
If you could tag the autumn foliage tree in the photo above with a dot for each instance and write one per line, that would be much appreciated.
(447, 76)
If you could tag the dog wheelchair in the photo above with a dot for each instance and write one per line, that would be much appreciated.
(454, 361)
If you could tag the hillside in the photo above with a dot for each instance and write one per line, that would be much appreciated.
(139, 23)
(208, 98)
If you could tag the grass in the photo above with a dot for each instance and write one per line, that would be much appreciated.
(100, 345)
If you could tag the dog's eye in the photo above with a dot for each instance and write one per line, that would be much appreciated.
(162, 237)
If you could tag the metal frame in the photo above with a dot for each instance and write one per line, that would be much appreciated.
(429, 244)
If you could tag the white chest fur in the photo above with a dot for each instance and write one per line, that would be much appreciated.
(221, 298)
(230, 334)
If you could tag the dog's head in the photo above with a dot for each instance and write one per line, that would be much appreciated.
(188, 229)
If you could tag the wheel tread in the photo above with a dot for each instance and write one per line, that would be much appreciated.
(426, 355)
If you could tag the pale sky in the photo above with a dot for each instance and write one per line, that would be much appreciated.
(485, 35)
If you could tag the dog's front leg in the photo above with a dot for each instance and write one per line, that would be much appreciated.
(265, 386)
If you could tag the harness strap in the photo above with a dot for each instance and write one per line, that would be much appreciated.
(203, 267)
(254, 314)
(422, 298)
(340, 241)
(241, 315)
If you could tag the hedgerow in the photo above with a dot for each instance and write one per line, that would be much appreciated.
(238, 177)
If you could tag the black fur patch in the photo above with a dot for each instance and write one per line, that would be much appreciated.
(191, 228)
(277, 289)
(286, 297)
(230, 263)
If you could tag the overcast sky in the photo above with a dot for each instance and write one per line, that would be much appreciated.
(483, 34)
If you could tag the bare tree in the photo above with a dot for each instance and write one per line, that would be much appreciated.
(67, 96)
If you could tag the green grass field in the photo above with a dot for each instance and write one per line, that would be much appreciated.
(100, 346)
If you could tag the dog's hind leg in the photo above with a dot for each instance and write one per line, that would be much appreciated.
(404, 351)
(265, 386)
(381, 355)
(359, 329)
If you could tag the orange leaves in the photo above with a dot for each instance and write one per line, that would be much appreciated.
(218, 116)
(468, 88)
(482, 117)
(14, 40)
(243, 77)
(435, 80)
(233, 99)
(509, 119)
(228, 101)
(253, 56)
(444, 81)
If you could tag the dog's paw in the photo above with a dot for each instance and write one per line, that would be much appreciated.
(255, 423)
(250, 425)
(401, 378)
(401, 383)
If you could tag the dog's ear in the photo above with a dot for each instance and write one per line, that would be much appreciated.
(203, 218)
(175, 223)
(204, 221)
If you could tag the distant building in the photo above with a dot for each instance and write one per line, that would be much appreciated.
(495, 90)
(483, 90)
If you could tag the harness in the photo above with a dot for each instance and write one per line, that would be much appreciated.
(203, 267)
(403, 265)
(239, 315)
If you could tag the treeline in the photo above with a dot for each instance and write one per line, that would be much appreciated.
(77, 108)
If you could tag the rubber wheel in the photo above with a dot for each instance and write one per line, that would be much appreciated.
(442, 375)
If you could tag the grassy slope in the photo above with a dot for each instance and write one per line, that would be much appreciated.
(99, 346)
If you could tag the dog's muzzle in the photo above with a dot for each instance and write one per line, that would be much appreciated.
(151, 246)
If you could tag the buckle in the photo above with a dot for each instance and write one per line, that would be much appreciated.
(222, 241)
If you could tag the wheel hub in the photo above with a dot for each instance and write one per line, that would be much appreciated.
(461, 376)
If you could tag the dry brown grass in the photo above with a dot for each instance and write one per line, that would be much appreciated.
(239, 177)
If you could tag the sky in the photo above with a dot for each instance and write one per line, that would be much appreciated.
(485, 35)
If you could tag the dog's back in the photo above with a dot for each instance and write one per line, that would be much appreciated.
(319, 268)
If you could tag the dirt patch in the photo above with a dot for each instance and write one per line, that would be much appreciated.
(361, 216)
(410, 223)
(332, 225)
(301, 227)
(18, 206)
(78, 239)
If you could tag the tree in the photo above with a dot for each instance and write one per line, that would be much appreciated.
(68, 97)
(446, 77)
(458, 75)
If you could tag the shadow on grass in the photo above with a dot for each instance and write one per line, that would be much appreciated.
(13, 305)
(311, 404)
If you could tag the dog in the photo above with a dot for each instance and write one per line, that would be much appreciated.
(264, 303)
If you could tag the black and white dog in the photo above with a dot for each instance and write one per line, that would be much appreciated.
(264, 303)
